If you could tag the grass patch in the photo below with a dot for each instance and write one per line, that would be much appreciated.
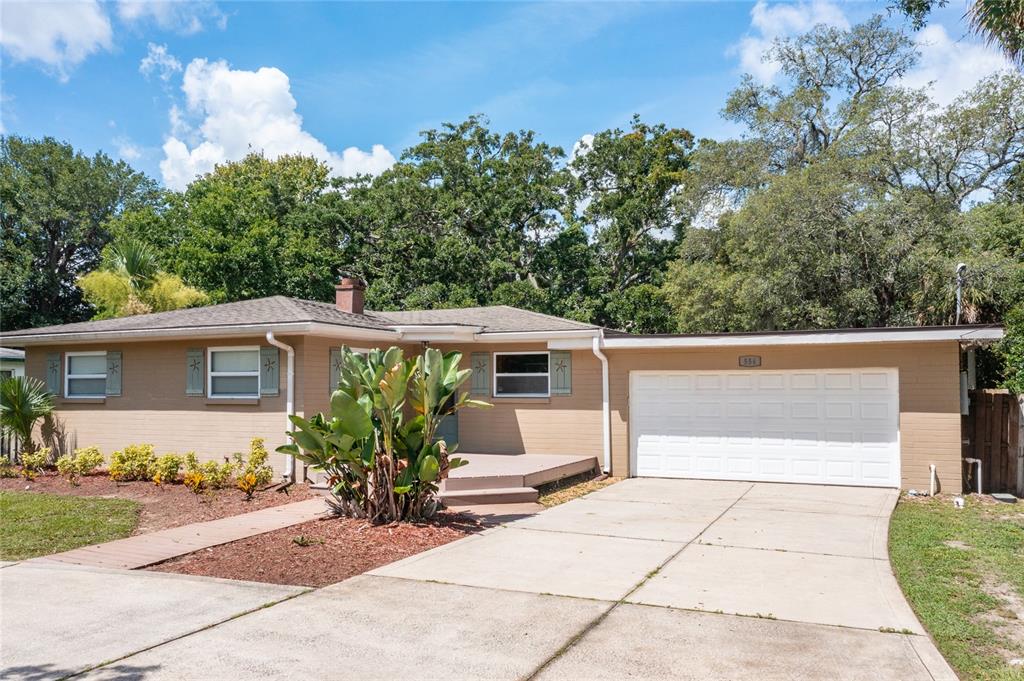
(567, 489)
(41, 524)
(963, 573)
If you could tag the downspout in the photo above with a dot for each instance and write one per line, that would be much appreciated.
(289, 460)
(605, 406)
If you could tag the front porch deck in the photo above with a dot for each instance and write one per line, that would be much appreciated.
(509, 478)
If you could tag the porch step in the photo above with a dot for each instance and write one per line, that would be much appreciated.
(492, 495)
(474, 482)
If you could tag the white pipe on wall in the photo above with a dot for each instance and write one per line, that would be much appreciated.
(605, 406)
(289, 460)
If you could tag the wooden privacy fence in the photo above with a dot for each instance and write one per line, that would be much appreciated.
(992, 433)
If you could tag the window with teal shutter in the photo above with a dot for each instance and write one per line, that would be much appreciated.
(480, 380)
(195, 371)
(114, 370)
(53, 372)
(270, 370)
(561, 372)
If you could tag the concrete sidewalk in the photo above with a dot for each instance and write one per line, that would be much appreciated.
(147, 549)
(649, 579)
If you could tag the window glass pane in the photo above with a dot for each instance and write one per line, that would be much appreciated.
(236, 360)
(521, 364)
(235, 386)
(86, 386)
(87, 364)
(521, 385)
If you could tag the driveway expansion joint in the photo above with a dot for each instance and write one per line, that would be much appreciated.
(590, 626)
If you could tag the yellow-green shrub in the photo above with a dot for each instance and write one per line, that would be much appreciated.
(253, 472)
(213, 475)
(165, 469)
(32, 463)
(132, 463)
(83, 462)
(89, 459)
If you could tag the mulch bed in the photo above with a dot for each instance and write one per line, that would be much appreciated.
(328, 550)
(163, 506)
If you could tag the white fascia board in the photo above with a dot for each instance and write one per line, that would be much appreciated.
(538, 336)
(857, 337)
(235, 330)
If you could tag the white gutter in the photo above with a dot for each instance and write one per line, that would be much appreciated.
(184, 332)
(437, 332)
(289, 460)
(841, 338)
(606, 433)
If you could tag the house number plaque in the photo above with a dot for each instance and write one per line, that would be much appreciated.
(750, 360)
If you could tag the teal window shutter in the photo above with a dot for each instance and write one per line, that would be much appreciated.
(113, 373)
(561, 372)
(334, 370)
(480, 381)
(270, 370)
(195, 371)
(53, 372)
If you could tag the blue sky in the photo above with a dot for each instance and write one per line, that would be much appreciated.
(174, 87)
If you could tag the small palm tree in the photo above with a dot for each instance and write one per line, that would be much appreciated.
(134, 259)
(23, 401)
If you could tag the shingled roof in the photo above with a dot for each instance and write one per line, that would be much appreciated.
(493, 319)
(284, 310)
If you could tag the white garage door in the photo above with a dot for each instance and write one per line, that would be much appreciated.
(837, 427)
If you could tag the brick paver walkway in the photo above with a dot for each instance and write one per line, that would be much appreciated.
(147, 549)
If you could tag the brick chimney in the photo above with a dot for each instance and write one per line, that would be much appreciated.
(348, 295)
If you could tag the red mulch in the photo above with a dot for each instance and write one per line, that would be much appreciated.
(163, 506)
(336, 549)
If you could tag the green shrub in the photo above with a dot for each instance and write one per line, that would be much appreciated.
(132, 463)
(32, 463)
(165, 469)
(83, 462)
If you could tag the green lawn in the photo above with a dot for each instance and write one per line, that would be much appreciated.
(962, 570)
(40, 524)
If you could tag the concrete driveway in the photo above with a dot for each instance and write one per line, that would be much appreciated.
(647, 578)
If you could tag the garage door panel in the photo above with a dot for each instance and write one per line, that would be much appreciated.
(826, 426)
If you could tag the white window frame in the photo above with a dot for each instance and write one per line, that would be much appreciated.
(210, 373)
(495, 374)
(68, 377)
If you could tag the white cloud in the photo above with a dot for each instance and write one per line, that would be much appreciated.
(158, 60)
(770, 22)
(950, 66)
(60, 35)
(244, 111)
(127, 150)
(182, 17)
(581, 146)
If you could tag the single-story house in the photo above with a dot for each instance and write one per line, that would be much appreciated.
(875, 407)
(12, 363)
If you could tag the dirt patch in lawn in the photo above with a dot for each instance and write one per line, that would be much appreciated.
(320, 552)
(163, 506)
(567, 489)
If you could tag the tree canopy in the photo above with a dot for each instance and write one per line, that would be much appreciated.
(848, 200)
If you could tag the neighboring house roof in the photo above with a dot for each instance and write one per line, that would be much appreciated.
(12, 355)
(281, 310)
